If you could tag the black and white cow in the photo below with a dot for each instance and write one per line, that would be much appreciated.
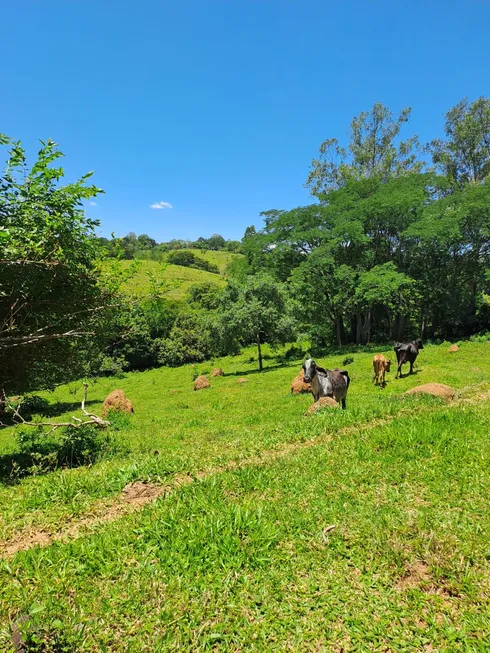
(326, 383)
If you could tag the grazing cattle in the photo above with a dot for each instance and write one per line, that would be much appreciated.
(326, 383)
(407, 352)
(381, 365)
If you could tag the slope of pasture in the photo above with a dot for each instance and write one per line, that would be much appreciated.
(178, 279)
(220, 258)
(363, 529)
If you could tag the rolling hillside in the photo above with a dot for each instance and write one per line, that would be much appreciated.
(177, 278)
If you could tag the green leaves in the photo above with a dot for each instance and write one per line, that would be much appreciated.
(52, 304)
(374, 150)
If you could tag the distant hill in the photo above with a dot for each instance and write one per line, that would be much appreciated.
(221, 258)
(178, 278)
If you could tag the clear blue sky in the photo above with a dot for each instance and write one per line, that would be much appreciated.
(218, 106)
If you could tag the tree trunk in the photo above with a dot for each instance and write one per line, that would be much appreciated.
(259, 352)
(339, 330)
(359, 328)
(400, 327)
(368, 327)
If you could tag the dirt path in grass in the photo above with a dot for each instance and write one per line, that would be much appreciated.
(138, 494)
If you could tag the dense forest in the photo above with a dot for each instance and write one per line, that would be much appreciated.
(394, 245)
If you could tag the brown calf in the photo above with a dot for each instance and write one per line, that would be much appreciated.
(380, 365)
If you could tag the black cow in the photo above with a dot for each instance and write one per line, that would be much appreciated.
(407, 352)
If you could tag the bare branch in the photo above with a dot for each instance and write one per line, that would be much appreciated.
(17, 341)
(94, 420)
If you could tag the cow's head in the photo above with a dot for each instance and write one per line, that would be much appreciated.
(418, 343)
(309, 370)
(387, 366)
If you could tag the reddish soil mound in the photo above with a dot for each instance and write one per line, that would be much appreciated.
(323, 402)
(242, 380)
(298, 386)
(117, 400)
(217, 372)
(201, 382)
(453, 348)
(434, 389)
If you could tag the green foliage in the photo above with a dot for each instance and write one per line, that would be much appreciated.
(373, 151)
(256, 310)
(188, 259)
(132, 246)
(142, 326)
(464, 156)
(189, 341)
(69, 446)
(53, 310)
(204, 295)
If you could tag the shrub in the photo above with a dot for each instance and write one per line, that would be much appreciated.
(189, 341)
(31, 405)
(188, 259)
(70, 446)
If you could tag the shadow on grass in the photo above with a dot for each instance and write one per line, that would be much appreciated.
(10, 464)
(407, 374)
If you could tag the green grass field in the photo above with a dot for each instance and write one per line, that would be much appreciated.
(178, 279)
(358, 530)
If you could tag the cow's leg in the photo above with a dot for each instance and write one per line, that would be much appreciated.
(343, 404)
(411, 367)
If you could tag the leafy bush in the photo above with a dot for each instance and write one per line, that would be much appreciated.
(205, 295)
(189, 341)
(31, 405)
(112, 366)
(141, 329)
(70, 446)
(188, 259)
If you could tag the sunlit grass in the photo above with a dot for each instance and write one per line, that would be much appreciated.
(243, 559)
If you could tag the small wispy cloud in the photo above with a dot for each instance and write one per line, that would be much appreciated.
(93, 203)
(161, 205)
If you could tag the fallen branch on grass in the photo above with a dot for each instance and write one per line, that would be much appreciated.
(93, 420)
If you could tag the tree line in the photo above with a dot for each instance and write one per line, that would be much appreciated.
(143, 247)
(395, 244)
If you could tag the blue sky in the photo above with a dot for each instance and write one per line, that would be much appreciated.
(217, 107)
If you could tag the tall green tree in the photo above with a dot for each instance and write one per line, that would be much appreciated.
(254, 311)
(374, 150)
(53, 308)
(464, 155)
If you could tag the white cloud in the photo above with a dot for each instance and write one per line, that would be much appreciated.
(93, 203)
(161, 205)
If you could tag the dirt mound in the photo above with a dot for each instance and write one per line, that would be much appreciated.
(298, 386)
(434, 389)
(416, 575)
(201, 382)
(140, 492)
(242, 380)
(453, 348)
(217, 372)
(117, 400)
(323, 402)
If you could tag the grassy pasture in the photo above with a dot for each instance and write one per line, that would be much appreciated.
(243, 558)
(177, 277)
